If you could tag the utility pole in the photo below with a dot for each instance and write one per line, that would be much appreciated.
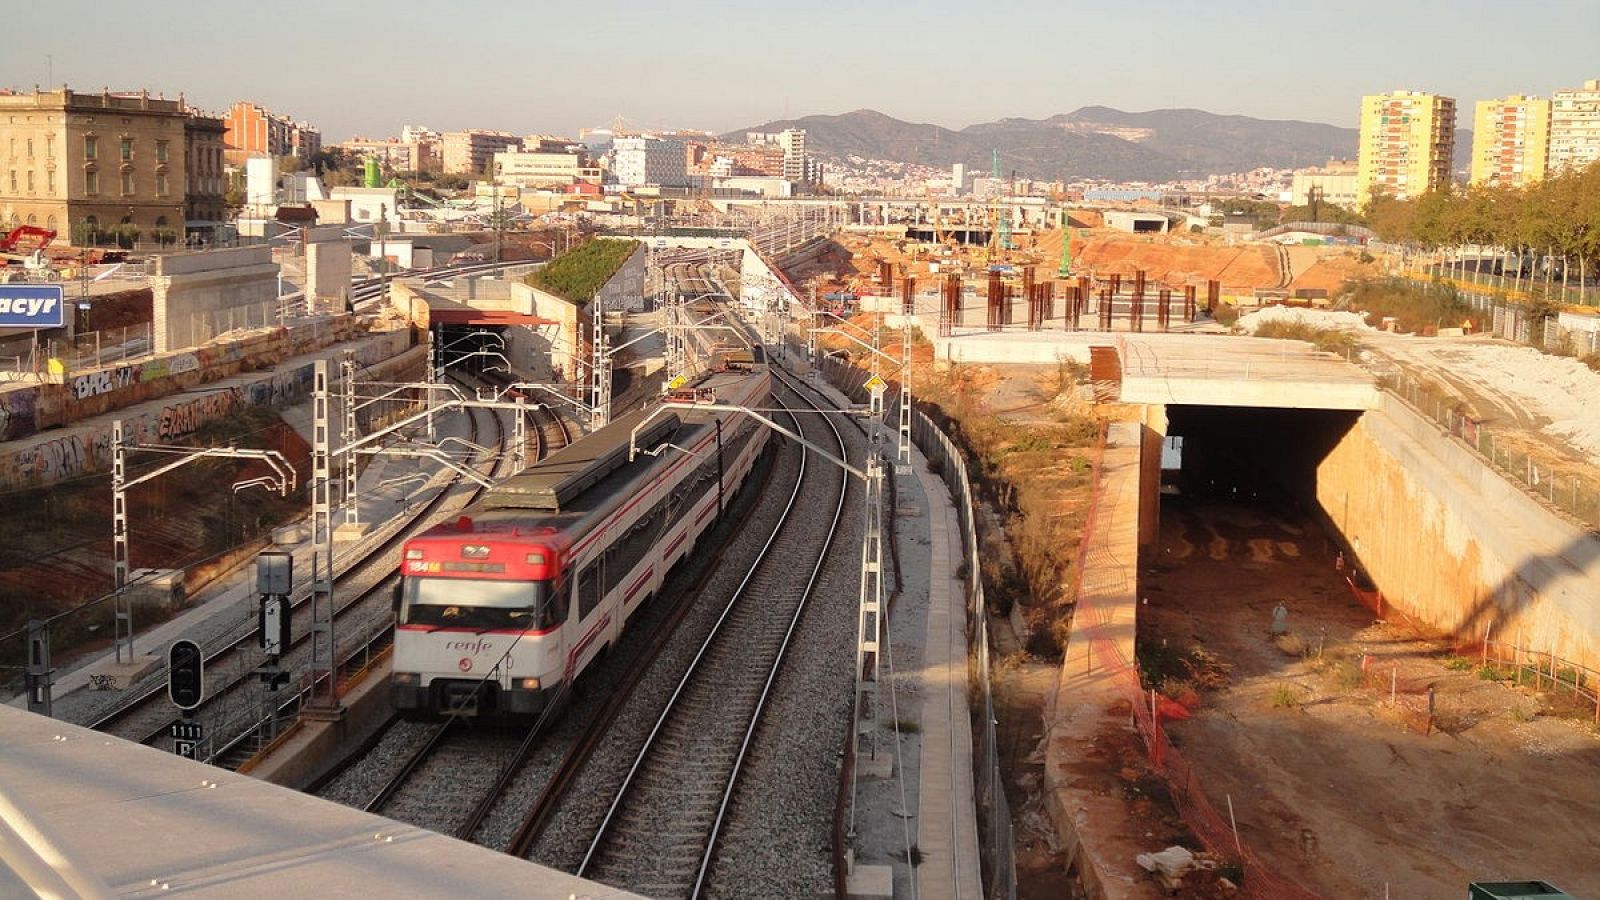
(283, 478)
(348, 494)
(599, 370)
(498, 222)
(908, 287)
(382, 227)
(123, 615)
(323, 699)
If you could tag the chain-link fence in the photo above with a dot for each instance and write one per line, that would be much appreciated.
(1573, 495)
(1512, 289)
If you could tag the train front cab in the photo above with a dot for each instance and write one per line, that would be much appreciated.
(477, 647)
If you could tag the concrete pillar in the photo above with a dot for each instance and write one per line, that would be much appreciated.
(198, 295)
(1153, 435)
(328, 269)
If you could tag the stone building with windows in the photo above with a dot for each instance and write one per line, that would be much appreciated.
(207, 185)
(82, 164)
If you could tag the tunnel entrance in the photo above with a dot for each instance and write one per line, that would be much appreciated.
(1258, 456)
(473, 349)
(1321, 718)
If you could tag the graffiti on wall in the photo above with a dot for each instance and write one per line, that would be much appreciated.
(88, 451)
(65, 457)
(186, 417)
(169, 365)
(105, 381)
(93, 384)
(281, 389)
(17, 416)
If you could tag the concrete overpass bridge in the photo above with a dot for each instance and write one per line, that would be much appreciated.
(1447, 539)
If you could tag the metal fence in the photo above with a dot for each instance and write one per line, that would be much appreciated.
(996, 844)
(1542, 668)
(1521, 290)
(1411, 694)
(1575, 496)
(996, 848)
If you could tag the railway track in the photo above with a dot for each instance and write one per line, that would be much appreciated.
(144, 716)
(505, 779)
(667, 800)
(139, 716)
(239, 752)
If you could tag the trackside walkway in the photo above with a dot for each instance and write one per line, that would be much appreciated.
(1091, 698)
(947, 820)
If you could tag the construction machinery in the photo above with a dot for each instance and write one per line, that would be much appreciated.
(25, 240)
(25, 245)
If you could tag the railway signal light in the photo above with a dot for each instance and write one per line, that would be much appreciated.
(185, 674)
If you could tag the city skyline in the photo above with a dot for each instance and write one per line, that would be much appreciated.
(564, 69)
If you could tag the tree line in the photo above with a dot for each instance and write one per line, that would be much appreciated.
(1546, 231)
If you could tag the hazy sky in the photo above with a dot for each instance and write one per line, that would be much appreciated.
(530, 66)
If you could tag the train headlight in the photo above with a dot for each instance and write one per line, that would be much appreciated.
(406, 679)
(528, 684)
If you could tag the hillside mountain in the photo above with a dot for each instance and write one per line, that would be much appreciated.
(1093, 142)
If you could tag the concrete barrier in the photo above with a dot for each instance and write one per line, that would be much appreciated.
(1456, 546)
(43, 459)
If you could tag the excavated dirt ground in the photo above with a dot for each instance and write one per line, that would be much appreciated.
(1332, 785)
(1170, 259)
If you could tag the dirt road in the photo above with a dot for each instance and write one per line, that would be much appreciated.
(1331, 785)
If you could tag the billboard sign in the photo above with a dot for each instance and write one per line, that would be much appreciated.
(32, 306)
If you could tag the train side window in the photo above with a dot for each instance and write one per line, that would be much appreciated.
(557, 612)
(589, 590)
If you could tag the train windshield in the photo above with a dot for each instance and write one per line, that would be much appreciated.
(480, 604)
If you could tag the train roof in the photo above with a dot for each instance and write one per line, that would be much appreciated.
(580, 477)
(560, 478)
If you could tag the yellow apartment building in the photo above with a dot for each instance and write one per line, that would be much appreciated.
(1407, 143)
(1510, 141)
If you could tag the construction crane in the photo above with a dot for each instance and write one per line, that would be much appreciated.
(1066, 245)
(1005, 211)
(999, 213)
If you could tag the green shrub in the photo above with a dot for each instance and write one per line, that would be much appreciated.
(578, 274)
(1413, 306)
(1285, 696)
(1328, 340)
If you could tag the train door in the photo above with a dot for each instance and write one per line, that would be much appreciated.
(592, 631)
(566, 632)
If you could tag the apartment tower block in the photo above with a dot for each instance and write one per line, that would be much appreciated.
(1407, 144)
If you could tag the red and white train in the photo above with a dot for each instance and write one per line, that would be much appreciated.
(499, 611)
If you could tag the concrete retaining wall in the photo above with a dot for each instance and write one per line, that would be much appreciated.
(1453, 544)
(45, 459)
(27, 410)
